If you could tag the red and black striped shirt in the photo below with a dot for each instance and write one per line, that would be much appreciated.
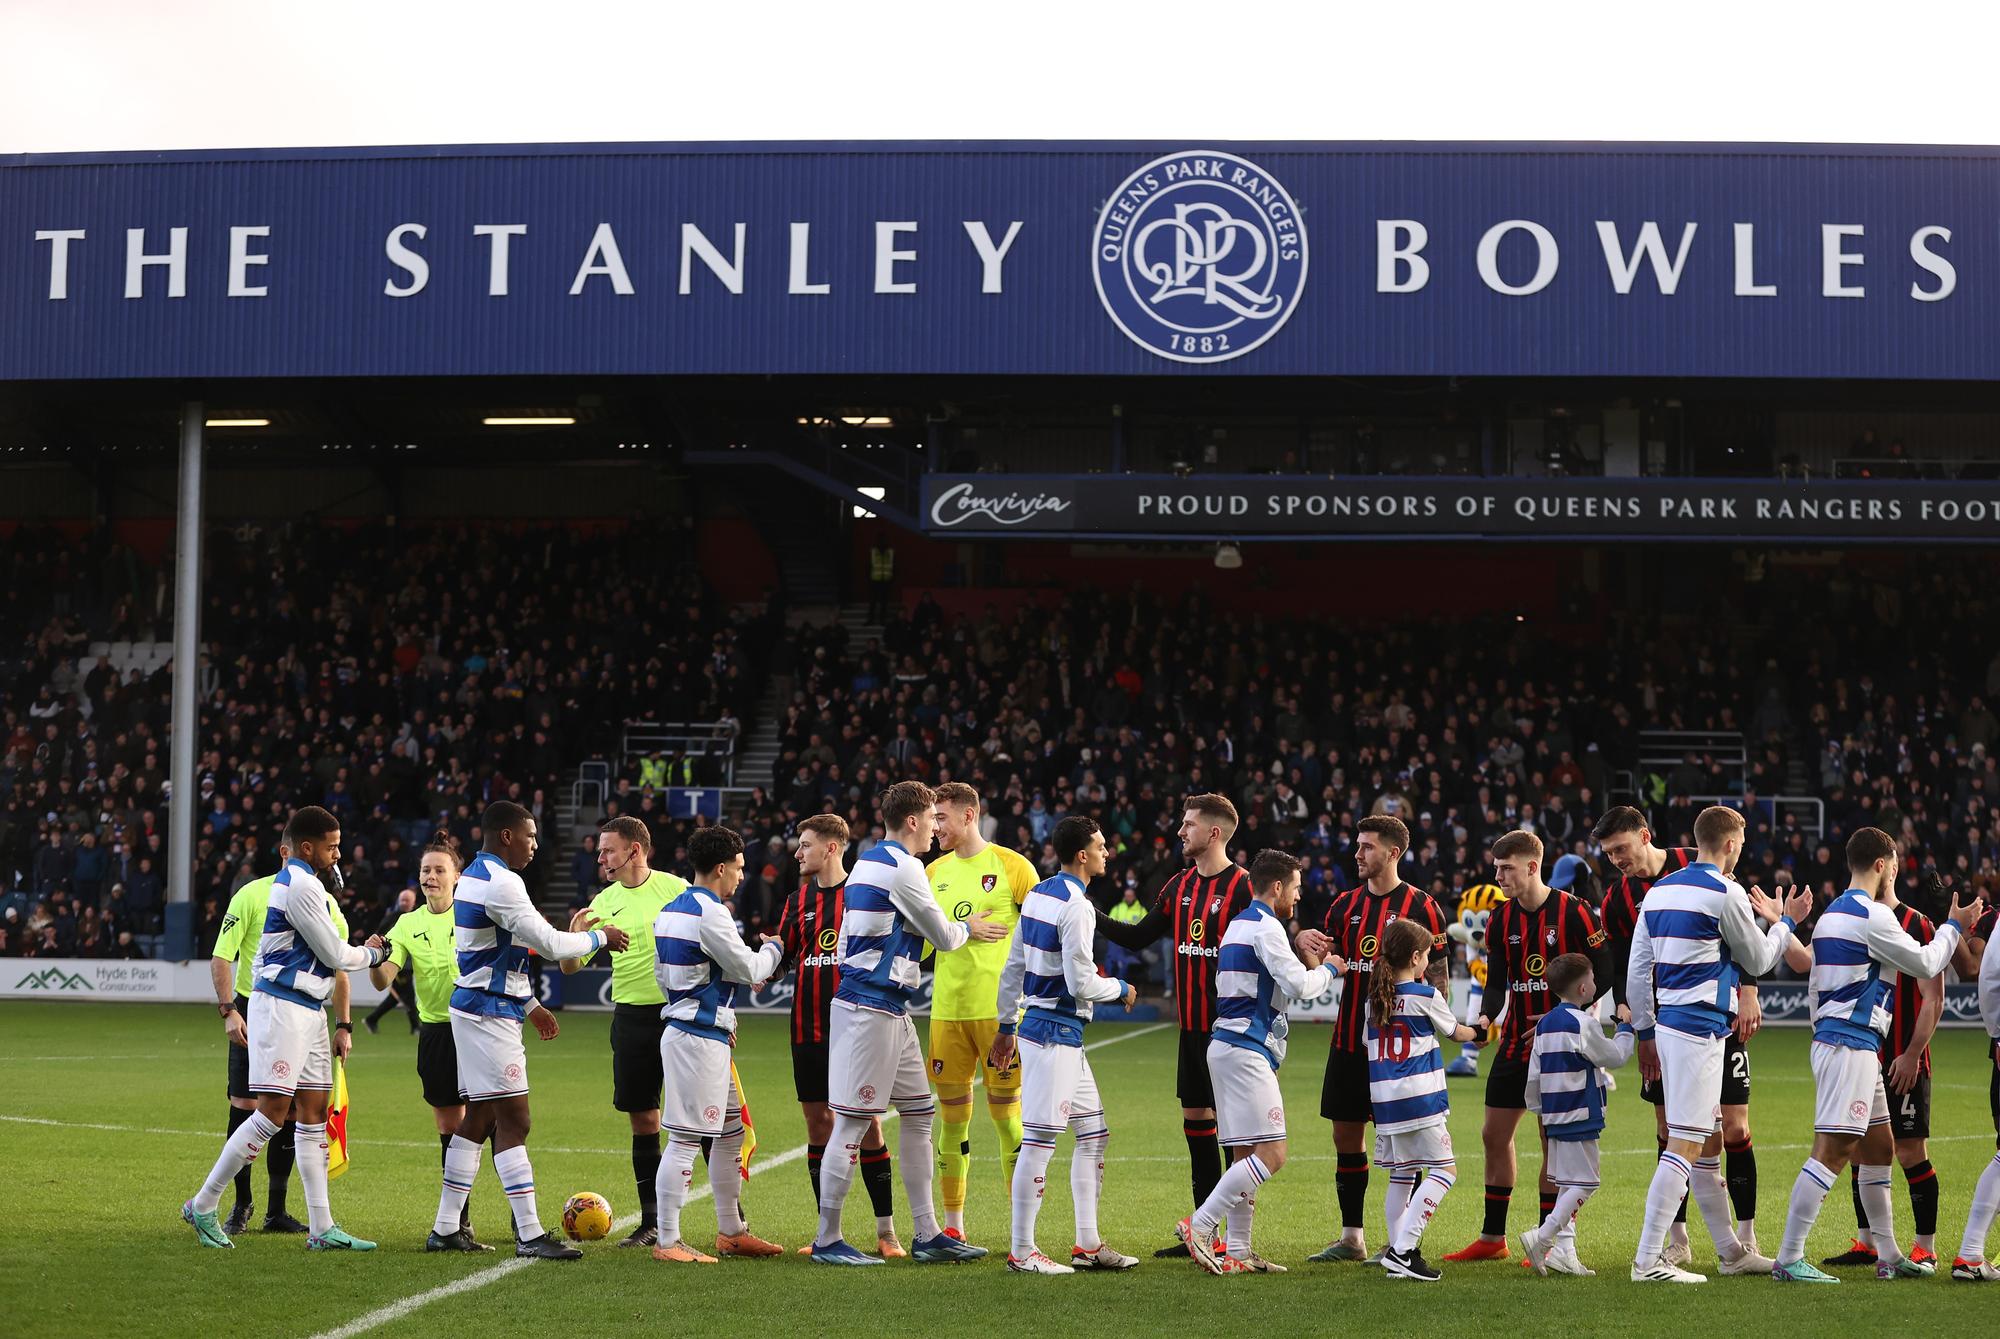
(1622, 901)
(809, 928)
(1198, 909)
(1355, 923)
(1520, 945)
(1904, 1001)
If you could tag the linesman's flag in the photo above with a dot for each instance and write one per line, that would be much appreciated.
(749, 1130)
(336, 1124)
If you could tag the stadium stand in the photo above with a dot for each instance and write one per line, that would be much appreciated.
(404, 680)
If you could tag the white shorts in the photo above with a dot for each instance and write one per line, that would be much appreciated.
(1572, 1162)
(873, 1062)
(1427, 1146)
(1691, 1079)
(1057, 1088)
(1851, 1098)
(491, 1061)
(698, 1099)
(289, 1048)
(1249, 1108)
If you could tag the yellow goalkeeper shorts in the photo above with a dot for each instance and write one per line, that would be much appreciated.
(958, 1052)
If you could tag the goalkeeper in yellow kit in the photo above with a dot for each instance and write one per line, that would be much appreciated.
(972, 875)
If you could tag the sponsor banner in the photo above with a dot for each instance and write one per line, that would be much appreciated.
(1314, 507)
(142, 979)
(1103, 259)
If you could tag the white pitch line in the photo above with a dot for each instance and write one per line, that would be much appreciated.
(494, 1273)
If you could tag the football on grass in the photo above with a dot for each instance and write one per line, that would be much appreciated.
(587, 1217)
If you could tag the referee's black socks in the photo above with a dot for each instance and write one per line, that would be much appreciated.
(237, 1115)
(279, 1155)
(1350, 1183)
(1204, 1156)
(645, 1167)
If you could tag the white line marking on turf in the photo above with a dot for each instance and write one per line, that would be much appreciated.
(494, 1273)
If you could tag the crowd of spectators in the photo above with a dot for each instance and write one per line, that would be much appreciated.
(1120, 705)
(406, 678)
(403, 678)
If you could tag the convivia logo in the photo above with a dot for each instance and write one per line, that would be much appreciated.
(53, 979)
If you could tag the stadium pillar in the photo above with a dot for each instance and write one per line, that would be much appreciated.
(179, 926)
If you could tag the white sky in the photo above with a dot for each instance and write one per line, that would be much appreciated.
(158, 74)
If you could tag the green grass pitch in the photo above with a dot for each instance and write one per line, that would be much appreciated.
(111, 1114)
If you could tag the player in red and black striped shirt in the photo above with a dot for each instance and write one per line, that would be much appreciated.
(1353, 929)
(809, 928)
(1915, 1005)
(1535, 925)
(1193, 908)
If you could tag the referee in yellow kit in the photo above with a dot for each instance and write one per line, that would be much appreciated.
(632, 901)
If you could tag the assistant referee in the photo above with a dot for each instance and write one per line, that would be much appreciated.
(632, 902)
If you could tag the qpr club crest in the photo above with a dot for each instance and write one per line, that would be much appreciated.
(1199, 256)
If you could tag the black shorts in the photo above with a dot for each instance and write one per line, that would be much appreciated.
(1193, 1085)
(1735, 1078)
(1507, 1085)
(636, 1076)
(1910, 1113)
(1343, 1094)
(437, 1065)
(1993, 1092)
(239, 1056)
(809, 1062)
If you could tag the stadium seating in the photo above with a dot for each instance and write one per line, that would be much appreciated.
(409, 679)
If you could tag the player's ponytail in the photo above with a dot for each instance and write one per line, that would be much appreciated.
(1401, 943)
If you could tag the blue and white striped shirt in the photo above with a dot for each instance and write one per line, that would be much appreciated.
(1405, 1070)
(301, 950)
(702, 963)
(887, 915)
(1566, 1079)
(1050, 970)
(1695, 932)
(1257, 977)
(1856, 937)
(494, 927)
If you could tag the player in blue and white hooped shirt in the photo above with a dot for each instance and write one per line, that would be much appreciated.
(1051, 977)
(1257, 976)
(291, 1057)
(1971, 1264)
(1857, 936)
(873, 1059)
(1567, 1087)
(495, 926)
(702, 965)
(1406, 1018)
(1697, 933)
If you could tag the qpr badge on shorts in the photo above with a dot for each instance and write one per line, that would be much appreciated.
(1199, 256)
